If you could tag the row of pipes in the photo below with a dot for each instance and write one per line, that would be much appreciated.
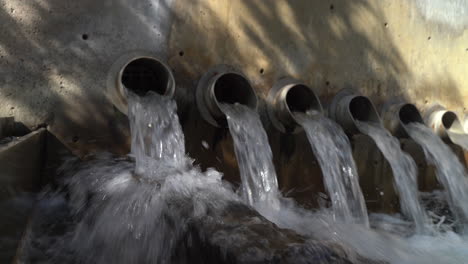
(225, 84)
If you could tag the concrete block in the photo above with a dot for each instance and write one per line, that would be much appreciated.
(21, 162)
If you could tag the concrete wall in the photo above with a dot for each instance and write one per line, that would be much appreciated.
(55, 56)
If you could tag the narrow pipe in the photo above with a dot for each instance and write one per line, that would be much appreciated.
(223, 84)
(444, 123)
(285, 98)
(348, 107)
(138, 73)
(396, 116)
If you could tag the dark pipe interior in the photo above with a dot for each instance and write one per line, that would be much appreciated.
(361, 109)
(448, 119)
(301, 99)
(409, 113)
(145, 74)
(233, 88)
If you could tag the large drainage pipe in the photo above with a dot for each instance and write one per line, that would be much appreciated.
(397, 115)
(223, 85)
(444, 123)
(138, 73)
(348, 107)
(287, 97)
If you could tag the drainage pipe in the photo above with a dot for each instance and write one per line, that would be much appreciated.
(138, 73)
(445, 123)
(397, 115)
(223, 84)
(348, 107)
(287, 97)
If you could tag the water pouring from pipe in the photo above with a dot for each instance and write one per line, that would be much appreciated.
(223, 84)
(287, 97)
(447, 125)
(396, 116)
(356, 113)
(225, 97)
(138, 72)
(294, 106)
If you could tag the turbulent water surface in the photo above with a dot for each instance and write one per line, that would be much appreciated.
(154, 206)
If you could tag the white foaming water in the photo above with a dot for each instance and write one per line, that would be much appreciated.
(117, 216)
(253, 153)
(449, 170)
(136, 213)
(333, 152)
(404, 173)
(131, 220)
(389, 243)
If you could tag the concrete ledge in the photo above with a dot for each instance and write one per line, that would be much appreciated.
(21, 162)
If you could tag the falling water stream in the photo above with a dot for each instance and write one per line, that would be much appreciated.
(253, 153)
(333, 151)
(404, 173)
(449, 170)
(460, 139)
(156, 207)
(141, 209)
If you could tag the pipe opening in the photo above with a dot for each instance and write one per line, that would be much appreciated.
(448, 119)
(233, 88)
(409, 114)
(145, 74)
(300, 98)
(361, 109)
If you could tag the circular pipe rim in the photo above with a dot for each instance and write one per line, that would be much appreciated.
(341, 110)
(409, 113)
(208, 98)
(116, 92)
(441, 121)
(397, 114)
(357, 113)
(170, 82)
(280, 109)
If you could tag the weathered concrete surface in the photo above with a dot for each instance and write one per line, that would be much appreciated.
(21, 162)
(55, 56)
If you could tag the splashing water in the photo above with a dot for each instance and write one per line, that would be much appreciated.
(170, 211)
(404, 173)
(449, 170)
(253, 153)
(165, 214)
(333, 151)
(143, 211)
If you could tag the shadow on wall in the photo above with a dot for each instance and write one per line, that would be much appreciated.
(55, 57)
(327, 44)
